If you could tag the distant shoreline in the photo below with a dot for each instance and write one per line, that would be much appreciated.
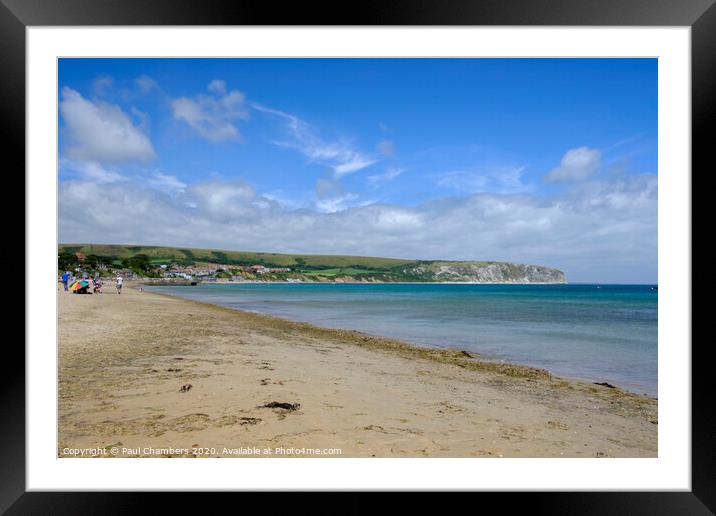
(258, 282)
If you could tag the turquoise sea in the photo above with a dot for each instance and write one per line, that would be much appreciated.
(592, 332)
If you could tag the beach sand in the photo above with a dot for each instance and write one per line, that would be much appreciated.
(123, 360)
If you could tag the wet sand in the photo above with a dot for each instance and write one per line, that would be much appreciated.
(148, 375)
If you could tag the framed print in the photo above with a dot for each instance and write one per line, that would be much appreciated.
(445, 248)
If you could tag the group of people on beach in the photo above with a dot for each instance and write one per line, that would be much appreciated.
(68, 279)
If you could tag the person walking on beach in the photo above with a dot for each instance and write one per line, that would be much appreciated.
(65, 279)
(119, 284)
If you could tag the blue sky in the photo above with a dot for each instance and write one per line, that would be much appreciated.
(549, 161)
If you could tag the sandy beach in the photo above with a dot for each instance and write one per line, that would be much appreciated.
(149, 375)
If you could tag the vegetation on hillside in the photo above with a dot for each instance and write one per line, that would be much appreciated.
(155, 261)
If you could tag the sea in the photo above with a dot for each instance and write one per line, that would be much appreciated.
(597, 333)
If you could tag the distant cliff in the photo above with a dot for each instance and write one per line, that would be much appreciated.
(485, 272)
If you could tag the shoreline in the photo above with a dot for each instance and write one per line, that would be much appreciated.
(284, 282)
(454, 352)
(369, 396)
(451, 355)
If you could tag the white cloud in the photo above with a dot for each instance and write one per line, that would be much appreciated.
(222, 201)
(354, 163)
(340, 156)
(576, 165)
(166, 182)
(504, 180)
(385, 177)
(597, 231)
(213, 116)
(93, 171)
(394, 218)
(101, 131)
(336, 203)
(118, 211)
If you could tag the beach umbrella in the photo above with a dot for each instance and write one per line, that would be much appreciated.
(79, 284)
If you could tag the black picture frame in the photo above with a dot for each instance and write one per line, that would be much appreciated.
(700, 15)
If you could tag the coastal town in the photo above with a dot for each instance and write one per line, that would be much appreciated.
(213, 272)
(139, 267)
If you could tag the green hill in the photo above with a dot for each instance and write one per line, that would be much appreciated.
(168, 254)
(307, 267)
